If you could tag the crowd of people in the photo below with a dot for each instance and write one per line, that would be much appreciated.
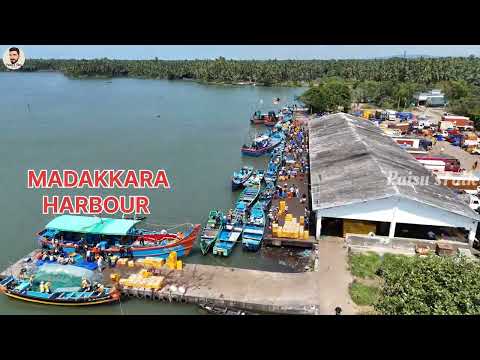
(294, 165)
(89, 254)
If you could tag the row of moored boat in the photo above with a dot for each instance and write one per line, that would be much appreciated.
(247, 220)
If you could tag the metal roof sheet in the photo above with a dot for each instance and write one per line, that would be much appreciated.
(351, 161)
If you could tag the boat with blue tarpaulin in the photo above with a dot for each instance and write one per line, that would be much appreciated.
(23, 290)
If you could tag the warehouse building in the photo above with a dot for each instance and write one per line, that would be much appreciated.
(434, 98)
(363, 182)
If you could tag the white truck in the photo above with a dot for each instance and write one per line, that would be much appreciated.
(390, 115)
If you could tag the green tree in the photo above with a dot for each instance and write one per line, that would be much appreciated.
(328, 96)
(429, 286)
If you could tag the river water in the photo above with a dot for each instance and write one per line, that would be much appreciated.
(193, 131)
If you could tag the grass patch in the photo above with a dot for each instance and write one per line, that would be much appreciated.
(365, 265)
(363, 294)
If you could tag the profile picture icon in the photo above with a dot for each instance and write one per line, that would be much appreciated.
(13, 58)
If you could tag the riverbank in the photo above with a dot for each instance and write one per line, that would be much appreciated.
(282, 84)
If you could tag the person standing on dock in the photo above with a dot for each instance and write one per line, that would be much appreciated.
(100, 264)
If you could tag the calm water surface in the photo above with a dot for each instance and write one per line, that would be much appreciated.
(193, 131)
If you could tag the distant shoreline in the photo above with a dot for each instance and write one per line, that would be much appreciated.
(288, 84)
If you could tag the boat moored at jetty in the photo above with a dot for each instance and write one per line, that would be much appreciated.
(23, 290)
(256, 178)
(117, 236)
(240, 177)
(260, 118)
(248, 196)
(263, 144)
(271, 120)
(211, 230)
(254, 229)
(230, 233)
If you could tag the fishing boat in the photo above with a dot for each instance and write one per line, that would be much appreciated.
(23, 290)
(258, 118)
(263, 144)
(211, 230)
(271, 120)
(217, 310)
(256, 178)
(248, 197)
(240, 177)
(117, 236)
(272, 169)
(254, 229)
(231, 232)
(266, 196)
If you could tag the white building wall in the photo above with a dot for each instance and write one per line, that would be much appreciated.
(399, 210)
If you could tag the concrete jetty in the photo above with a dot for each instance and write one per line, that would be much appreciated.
(252, 290)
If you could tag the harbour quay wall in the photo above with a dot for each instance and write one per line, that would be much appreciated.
(243, 289)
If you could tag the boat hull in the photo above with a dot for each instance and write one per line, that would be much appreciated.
(257, 121)
(182, 247)
(248, 246)
(60, 302)
(206, 243)
(259, 152)
(237, 186)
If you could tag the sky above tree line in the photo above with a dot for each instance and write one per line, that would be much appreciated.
(241, 52)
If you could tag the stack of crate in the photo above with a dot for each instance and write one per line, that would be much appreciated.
(172, 260)
(151, 263)
(291, 228)
(281, 207)
(141, 281)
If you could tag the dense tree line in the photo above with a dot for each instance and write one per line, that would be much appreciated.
(269, 72)
(387, 83)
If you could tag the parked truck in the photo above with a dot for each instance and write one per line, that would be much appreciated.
(458, 122)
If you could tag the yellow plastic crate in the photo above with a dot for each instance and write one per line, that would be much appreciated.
(145, 273)
(179, 265)
(122, 262)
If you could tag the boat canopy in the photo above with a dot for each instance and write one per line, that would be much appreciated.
(91, 225)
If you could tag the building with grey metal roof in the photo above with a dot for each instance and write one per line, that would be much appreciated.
(358, 172)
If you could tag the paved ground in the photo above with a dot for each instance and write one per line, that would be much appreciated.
(434, 114)
(325, 289)
(333, 277)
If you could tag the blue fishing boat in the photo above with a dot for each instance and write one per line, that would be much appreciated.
(240, 177)
(266, 195)
(254, 229)
(231, 232)
(272, 169)
(248, 196)
(24, 290)
(256, 178)
(263, 144)
(211, 230)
